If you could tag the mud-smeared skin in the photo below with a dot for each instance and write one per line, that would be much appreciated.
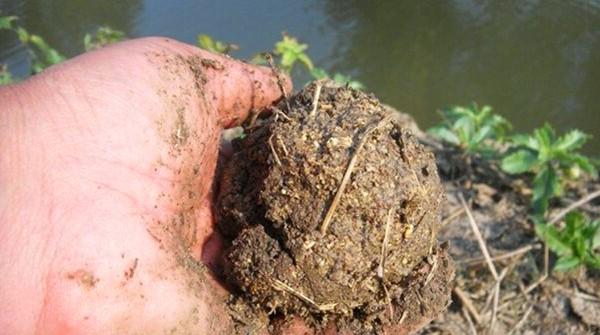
(280, 183)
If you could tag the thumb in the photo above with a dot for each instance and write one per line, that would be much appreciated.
(236, 88)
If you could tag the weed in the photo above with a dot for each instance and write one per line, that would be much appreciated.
(290, 51)
(208, 43)
(102, 37)
(473, 129)
(552, 158)
(42, 55)
(575, 244)
(319, 73)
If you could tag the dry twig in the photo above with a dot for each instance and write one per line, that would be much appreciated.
(316, 99)
(497, 297)
(469, 321)
(467, 303)
(275, 156)
(269, 59)
(482, 244)
(281, 286)
(384, 245)
(522, 321)
(431, 271)
(457, 213)
(514, 253)
(346, 177)
(574, 205)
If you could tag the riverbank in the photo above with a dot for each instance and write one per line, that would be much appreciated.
(512, 290)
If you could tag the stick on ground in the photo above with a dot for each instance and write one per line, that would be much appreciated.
(466, 301)
(480, 240)
(574, 205)
(517, 252)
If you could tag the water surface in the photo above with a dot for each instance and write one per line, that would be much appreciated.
(533, 60)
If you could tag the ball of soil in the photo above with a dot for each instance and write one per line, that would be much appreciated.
(332, 209)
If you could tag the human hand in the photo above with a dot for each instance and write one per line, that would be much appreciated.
(107, 168)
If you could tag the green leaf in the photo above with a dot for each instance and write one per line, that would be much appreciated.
(596, 239)
(102, 37)
(566, 263)
(545, 186)
(319, 73)
(593, 262)
(87, 42)
(519, 162)
(573, 222)
(22, 34)
(47, 55)
(205, 42)
(553, 239)
(524, 140)
(305, 60)
(443, 133)
(347, 80)
(481, 134)
(464, 127)
(6, 22)
(288, 60)
(585, 164)
(208, 43)
(572, 140)
(290, 52)
(5, 75)
(258, 59)
(545, 137)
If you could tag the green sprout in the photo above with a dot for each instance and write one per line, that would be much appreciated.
(102, 37)
(42, 55)
(473, 129)
(208, 43)
(575, 244)
(290, 52)
(319, 73)
(552, 158)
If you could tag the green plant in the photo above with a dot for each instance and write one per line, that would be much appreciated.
(575, 244)
(208, 43)
(6, 22)
(473, 129)
(42, 55)
(5, 76)
(290, 52)
(102, 37)
(552, 158)
(319, 73)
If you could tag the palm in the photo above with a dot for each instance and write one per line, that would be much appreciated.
(111, 216)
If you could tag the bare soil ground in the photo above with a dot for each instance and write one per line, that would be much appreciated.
(524, 297)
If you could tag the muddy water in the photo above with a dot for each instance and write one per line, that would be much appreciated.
(533, 60)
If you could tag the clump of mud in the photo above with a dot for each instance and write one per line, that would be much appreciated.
(332, 209)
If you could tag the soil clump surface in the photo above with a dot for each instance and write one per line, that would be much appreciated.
(331, 208)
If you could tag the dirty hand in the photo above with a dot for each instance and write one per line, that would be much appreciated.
(105, 207)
